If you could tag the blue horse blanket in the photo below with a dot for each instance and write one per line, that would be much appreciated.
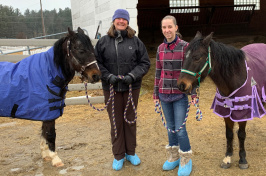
(246, 102)
(30, 89)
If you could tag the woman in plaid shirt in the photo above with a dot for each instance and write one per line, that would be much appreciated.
(169, 61)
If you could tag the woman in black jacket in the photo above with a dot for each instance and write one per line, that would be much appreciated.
(123, 61)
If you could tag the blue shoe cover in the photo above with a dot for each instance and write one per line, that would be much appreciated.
(170, 165)
(185, 170)
(118, 164)
(134, 159)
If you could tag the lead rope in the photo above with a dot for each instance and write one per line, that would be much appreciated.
(198, 115)
(111, 97)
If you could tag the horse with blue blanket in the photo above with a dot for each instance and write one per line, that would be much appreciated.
(239, 75)
(35, 87)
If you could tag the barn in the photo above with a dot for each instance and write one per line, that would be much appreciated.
(223, 17)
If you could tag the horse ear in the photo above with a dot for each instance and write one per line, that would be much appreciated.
(198, 35)
(80, 30)
(207, 40)
(70, 31)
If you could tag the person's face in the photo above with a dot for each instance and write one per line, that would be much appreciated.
(169, 29)
(120, 24)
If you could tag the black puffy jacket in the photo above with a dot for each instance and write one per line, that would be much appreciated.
(130, 58)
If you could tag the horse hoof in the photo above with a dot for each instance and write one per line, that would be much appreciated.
(225, 165)
(243, 166)
(47, 158)
(60, 164)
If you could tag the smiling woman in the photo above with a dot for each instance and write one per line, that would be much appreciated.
(169, 29)
(169, 60)
(120, 23)
(123, 61)
(121, 19)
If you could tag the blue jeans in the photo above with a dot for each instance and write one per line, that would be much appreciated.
(175, 113)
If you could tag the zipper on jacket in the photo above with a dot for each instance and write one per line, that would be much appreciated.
(118, 40)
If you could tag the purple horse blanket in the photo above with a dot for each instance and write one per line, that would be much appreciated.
(245, 103)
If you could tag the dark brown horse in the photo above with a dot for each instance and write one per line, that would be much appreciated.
(238, 76)
(35, 87)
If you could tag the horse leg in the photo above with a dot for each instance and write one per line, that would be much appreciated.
(229, 125)
(241, 133)
(48, 143)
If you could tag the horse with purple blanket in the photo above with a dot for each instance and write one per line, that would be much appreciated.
(239, 75)
(35, 87)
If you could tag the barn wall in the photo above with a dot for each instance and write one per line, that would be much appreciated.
(259, 18)
(256, 24)
(152, 34)
(87, 14)
(152, 3)
(216, 2)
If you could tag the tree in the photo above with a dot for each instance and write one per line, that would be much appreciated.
(15, 25)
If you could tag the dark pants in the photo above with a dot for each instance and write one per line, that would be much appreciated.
(126, 133)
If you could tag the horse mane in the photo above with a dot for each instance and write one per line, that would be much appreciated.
(227, 58)
(60, 56)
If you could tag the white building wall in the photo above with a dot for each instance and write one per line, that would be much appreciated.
(87, 14)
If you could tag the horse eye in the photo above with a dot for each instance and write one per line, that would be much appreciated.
(81, 51)
(196, 58)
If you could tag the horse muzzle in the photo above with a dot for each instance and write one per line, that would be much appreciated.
(184, 86)
(91, 75)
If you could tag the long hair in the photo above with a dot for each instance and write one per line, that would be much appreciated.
(175, 23)
(130, 32)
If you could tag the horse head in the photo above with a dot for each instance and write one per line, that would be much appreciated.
(197, 63)
(78, 54)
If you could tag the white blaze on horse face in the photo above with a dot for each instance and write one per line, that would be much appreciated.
(227, 160)
(188, 54)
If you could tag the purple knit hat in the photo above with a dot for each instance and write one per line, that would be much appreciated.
(121, 13)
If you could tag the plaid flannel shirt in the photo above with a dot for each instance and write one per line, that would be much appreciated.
(169, 61)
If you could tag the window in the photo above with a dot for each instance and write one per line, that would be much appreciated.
(184, 3)
(246, 2)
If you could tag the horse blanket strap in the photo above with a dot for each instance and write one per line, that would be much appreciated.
(55, 100)
(111, 99)
(59, 82)
(53, 92)
(57, 107)
(158, 110)
(245, 103)
(30, 87)
(14, 110)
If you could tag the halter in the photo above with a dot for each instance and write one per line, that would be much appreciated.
(83, 67)
(198, 75)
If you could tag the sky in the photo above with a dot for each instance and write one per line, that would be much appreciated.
(22, 5)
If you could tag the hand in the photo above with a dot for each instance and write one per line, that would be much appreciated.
(127, 80)
(156, 101)
(194, 100)
(113, 80)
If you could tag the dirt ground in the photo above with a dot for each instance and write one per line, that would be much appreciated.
(83, 143)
